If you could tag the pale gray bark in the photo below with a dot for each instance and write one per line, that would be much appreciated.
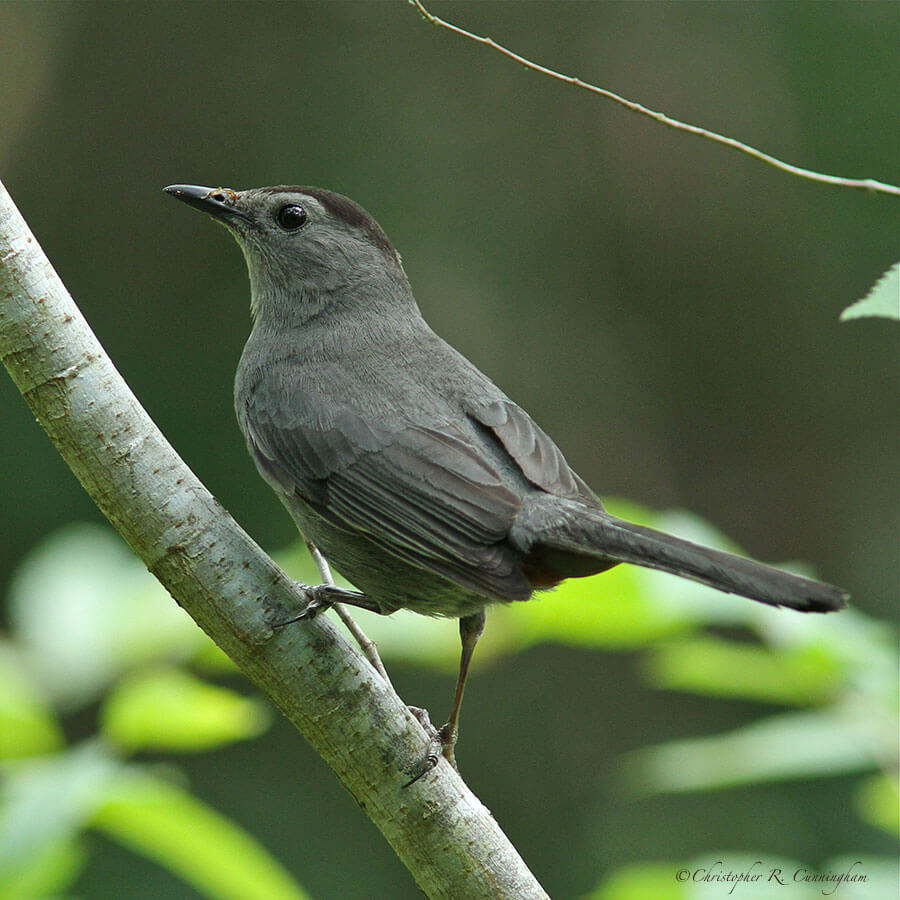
(439, 829)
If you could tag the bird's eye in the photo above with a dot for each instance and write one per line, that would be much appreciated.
(291, 217)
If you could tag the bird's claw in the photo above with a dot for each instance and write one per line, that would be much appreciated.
(322, 597)
(440, 743)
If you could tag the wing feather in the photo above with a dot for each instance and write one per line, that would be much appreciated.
(536, 455)
(440, 491)
(428, 495)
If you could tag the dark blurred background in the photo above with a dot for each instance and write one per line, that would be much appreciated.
(666, 308)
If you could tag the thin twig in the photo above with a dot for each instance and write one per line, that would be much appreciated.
(868, 184)
(366, 644)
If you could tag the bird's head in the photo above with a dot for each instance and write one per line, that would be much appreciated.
(305, 247)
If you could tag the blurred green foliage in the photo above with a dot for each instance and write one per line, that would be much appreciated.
(664, 308)
(840, 670)
(138, 643)
(169, 709)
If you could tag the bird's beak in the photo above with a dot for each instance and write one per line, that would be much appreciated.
(217, 202)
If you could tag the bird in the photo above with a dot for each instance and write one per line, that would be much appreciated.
(404, 465)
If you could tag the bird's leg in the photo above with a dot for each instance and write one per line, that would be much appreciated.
(444, 738)
(470, 629)
(366, 644)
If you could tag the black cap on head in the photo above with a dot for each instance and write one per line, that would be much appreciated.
(342, 208)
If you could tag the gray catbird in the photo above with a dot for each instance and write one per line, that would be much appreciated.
(408, 468)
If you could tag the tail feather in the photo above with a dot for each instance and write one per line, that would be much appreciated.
(586, 532)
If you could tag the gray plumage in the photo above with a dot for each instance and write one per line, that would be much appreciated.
(414, 474)
(410, 470)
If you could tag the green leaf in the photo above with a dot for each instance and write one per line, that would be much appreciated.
(168, 709)
(613, 609)
(84, 609)
(45, 803)
(158, 820)
(878, 802)
(882, 300)
(641, 881)
(798, 676)
(793, 745)
(28, 726)
(46, 873)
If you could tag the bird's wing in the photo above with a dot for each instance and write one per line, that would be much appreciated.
(535, 454)
(429, 495)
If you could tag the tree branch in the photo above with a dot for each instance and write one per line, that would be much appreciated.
(868, 184)
(351, 716)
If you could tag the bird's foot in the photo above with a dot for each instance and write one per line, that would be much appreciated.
(324, 596)
(440, 743)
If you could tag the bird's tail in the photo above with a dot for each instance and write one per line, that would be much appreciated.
(572, 530)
